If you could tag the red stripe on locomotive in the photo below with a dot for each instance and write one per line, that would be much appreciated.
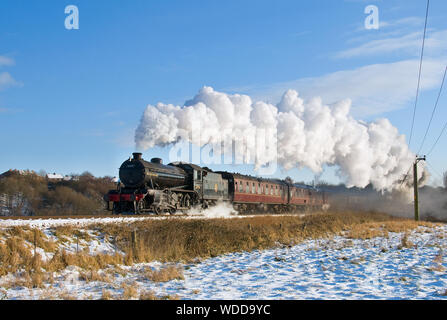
(125, 197)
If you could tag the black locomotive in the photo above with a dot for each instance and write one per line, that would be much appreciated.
(153, 187)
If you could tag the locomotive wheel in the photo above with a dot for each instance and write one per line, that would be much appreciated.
(139, 206)
(187, 201)
(157, 211)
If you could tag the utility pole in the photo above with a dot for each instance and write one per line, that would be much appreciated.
(415, 185)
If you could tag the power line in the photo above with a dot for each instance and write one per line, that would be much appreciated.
(419, 76)
(433, 112)
(434, 170)
(406, 175)
(439, 137)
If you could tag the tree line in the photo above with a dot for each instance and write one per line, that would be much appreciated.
(32, 194)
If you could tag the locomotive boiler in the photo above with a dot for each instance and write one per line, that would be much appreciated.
(138, 173)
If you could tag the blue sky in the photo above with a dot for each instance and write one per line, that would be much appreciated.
(70, 100)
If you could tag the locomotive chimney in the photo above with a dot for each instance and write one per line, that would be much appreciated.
(157, 160)
(137, 155)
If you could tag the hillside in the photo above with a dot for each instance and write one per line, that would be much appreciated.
(31, 194)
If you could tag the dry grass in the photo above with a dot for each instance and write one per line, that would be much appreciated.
(65, 295)
(62, 259)
(129, 291)
(35, 237)
(28, 280)
(17, 251)
(15, 255)
(178, 239)
(186, 240)
(374, 229)
(170, 297)
(93, 275)
(106, 295)
(367, 231)
(405, 242)
(148, 295)
(52, 294)
(115, 269)
(69, 233)
(165, 274)
(48, 294)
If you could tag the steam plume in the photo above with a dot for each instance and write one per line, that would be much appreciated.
(307, 134)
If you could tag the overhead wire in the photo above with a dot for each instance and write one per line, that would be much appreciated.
(437, 140)
(433, 112)
(419, 76)
(406, 175)
(434, 170)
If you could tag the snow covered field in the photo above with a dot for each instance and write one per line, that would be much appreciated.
(393, 267)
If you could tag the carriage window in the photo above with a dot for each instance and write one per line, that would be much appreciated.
(259, 188)
(276, 190)
(241, 187)
(266, 189)
(271, 190)
(247, 188)
(253, 188)
(235, 186)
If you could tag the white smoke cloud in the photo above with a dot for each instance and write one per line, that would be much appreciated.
(307, 134)
(220, 210)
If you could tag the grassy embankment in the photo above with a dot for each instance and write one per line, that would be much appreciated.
(183, 240)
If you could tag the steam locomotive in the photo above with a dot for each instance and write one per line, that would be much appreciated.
(154, 187)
